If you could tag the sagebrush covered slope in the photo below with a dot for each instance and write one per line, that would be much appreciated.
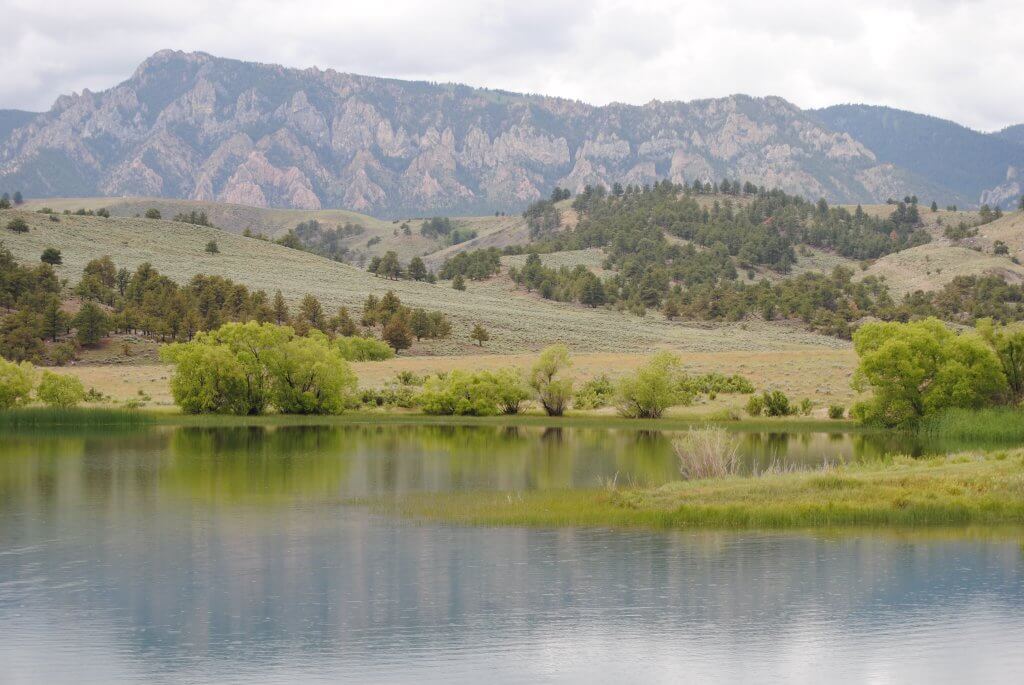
(516, 320)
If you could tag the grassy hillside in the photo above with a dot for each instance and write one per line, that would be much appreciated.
(271, 222)
(517, 321)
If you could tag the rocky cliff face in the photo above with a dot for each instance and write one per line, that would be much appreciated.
(200, 127)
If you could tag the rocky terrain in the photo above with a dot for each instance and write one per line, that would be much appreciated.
(189, 125)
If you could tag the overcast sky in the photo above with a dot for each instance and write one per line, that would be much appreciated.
(958, 59)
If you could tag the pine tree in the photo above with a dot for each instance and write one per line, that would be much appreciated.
(397, 333)
(312, 312)
(419, 323)
(459, 283)
(55, 322)
(280, 309)
(480, 334)
(417, 269)
(92, 324)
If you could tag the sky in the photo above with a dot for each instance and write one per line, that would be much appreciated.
(956, 59)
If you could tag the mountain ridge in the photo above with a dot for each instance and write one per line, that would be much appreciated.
(195, 126)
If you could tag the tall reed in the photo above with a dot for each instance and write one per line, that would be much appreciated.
(707, 452)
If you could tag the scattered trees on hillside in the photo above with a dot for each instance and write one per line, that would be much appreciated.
(17, 225)
(480, 335)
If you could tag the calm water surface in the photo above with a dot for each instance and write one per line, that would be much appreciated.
(229, 555)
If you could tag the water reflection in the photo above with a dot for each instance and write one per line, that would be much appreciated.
(225, 555)
(333, 462)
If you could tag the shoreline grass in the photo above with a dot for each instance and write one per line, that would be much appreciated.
(996, 424)
(96, 415)
(959, 490)
(86, 417)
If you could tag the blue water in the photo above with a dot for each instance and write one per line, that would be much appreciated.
(165, 557)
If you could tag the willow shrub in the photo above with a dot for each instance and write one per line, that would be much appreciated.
(246, 368)
(481, 393)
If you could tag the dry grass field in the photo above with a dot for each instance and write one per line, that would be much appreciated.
(517, 321)
(822, 375)
(931, 266)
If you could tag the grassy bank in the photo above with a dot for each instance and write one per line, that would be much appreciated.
(42, 417)
(994, 424)
(34, 416)
(942, 491)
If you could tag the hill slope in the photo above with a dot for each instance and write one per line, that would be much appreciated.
(196, 126)
(971, 166)
(517, 321)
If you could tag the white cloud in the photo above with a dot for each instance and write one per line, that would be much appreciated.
(958, 59)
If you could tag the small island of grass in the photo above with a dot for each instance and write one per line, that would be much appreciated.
(939, 491)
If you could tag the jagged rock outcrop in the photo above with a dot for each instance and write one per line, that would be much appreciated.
(195, 126)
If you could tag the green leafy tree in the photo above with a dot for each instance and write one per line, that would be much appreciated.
(18, 199)
(21, 336)
(60, 390)
(16, 382)
(915, 369)
(553, 392)
(653, 388)
(459, 283)
(91, 324)
(208, 379)
(311, 377)
(51, 256)
(247, 352)
(1008, 344)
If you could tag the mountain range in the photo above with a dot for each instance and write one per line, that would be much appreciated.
(191, 125)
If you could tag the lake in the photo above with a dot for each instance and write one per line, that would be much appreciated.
(223, 555)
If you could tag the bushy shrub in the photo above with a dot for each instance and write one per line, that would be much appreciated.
(464, 393)
(391, 396)
(596, 393)
(60, 390)
(359, 349)
(16, 382)
(552, 392)
(776, 403)
(755, 405)
(719, 384)
(836, 411)
(656, 386)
